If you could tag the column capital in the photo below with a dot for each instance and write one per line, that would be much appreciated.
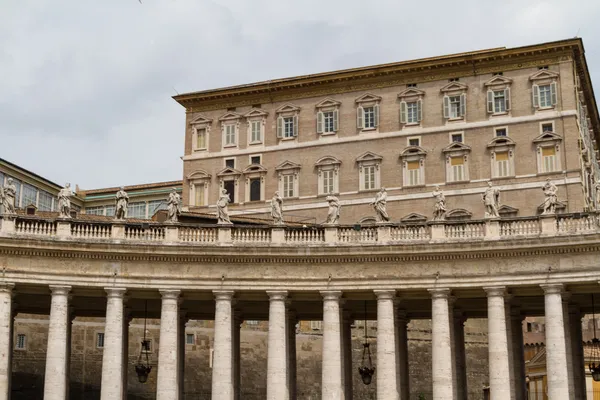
(6, 287)
(170, 294)
(552, 288)
(223, 294)
(113, 292)
(495, 291)
(331, 294)
(439, 293)
(277, 295)
(385, 294)
(58, 290)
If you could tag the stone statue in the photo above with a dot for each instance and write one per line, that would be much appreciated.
(8, 195)
(597, 187)
(439, 210)
(491, 200)
(550, 191)
(333, 215)
(64, 201)
(121, 203)
(173, 206)
(222, 212)
(277, 209)
(379, 205)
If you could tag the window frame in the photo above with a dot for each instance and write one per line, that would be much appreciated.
(454, 89)
(415, 96)
(187, 336)
(195, 179)
(288, 169)
(98, 336)
(498, 128)
(258, 117)
(498, 83)
(328, 164)
(544, 77)
(454, 150)
(252, 172)
(548, 140)
(367, 100)
(16, 346)
(287, 111)
(408, 139)
(200, 122)
(410, 155)
(365, 161)
(230, 120)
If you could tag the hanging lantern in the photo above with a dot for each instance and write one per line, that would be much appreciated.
(143, 369)
(594, 365)
(366, 371)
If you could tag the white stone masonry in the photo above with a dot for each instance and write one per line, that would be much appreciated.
(5, 339)
(387, 388)
(112, 356)
(331, 387)
(55, 377)
(167, 384)
(441, 352)
(277, 371)
(222, 373)
(499, 365)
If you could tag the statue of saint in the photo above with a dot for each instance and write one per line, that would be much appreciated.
(597, 187)
(8, 194)
(277, 209)
(173, 206)
(491, 198)
(439, 210)
(550, 191)
(379, 205)
(121, 202)
(64, 201)
(333, 214)
(222, 212)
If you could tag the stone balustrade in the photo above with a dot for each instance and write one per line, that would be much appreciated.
(210, 235)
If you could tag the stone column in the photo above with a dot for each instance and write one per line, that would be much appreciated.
(347, 353)
(6, 324)
(331, 387)
(235, 343)
(112, 355)
(277, 373)
(387, 388)
(55, 378)
(222, 374)
(499, 365)
(516, 319)
(167, 385)
(460, 355)
(578, 363)
(568, 343)
(556, 351)
(402, 380)
(127, 317)
(291, 328)
(441, 352)
(183, 319)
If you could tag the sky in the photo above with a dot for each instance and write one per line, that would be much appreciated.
(86, 86)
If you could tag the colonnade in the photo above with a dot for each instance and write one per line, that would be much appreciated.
(506, 365)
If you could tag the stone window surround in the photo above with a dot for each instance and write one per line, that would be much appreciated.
(328, 163)
(369, 159)
(16, 345)
(230, 174)
(544, 77)
(498, 83)
(256, 114)
(250, 156)
(285, 111)
(497, 128)
(502, 144)
(195, 178)
(450, 134)
(411, 95)
(453, 89)
(365, 101)
(254, 171)
(288, 168)
(413, 153)
(547, 140)
(230, 118)
(457, 149)
(200, 123)
(327, 105)
(408, 139)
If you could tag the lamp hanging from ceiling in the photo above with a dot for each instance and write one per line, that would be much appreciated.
(143, 369)
(366, 371)
(594, 364)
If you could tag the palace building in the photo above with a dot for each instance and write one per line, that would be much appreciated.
(465, 306)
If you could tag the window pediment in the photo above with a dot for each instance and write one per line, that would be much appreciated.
(287, 108)
(328, 102)
(229, 172)
(498, 80)
(548, 137)
(287, 166)
(368, 156)
(414, 217)
(454, 87)
(501, 141)
(457, 147)
(368, 98)
(201, 120)
(544, 74)
(507, 211)
(411, 92)
(459, 214)
(255, 113)
(199, 174)
(327, 161)
(412, 151)
(254, 168)
(230, 117)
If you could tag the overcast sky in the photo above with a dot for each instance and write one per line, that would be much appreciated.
(86, 86)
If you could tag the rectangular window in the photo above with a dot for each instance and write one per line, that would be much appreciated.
(255, 160)
(146, 345)
(189, 338)
(17, 184)
(457, 164)
(369, 113)
(199, 194)
(549, 159)
(414, 141)
(100, 340)
(252, 322)
(328, 121)
(499, 101)
(21, 341)
(229, 186)
(547, 127)
(155, 205)
(137, 210)
(455, 107)
(45, 200)
(95, 210)
(414, 174)
(502, 164)
(256, 136)
(328, 181)
(200, 139)
(288, 127)
(230, 163)
(288, 185)
(316, 325)
(29, 195)
(412, 112)
(545, 93)
(255, 189)
(500, 132)
(230, 139)
(109, 211)
(457, 137)
(369, 172)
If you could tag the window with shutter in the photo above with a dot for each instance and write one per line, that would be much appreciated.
(403, 113)
(280, 124)
(457, 164)
(328, 120)
(412, 112)
(288, 127)
(100, 340)
(369, 117)
(545, 96)
(21, 341)
(414, 172)
(359, 117)
(200, 139)
(535, 93)
(549, 159)
(446, 107)
(369, 177)
(502, 165)
(320, 122)
(499, 101)
(288, 185)
(328, 185)
(455, 107)
(376, 113)
(199, 194)
(230, 135)
(256, 134)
